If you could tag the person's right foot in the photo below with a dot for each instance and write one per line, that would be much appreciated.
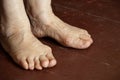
(17, 39)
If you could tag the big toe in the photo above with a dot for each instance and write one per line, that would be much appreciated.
(79, 43)
(52, 60)
(85, 43)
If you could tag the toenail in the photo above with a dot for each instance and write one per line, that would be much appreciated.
(45, 64)
(52, 63)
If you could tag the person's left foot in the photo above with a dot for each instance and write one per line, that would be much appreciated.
(45, 23)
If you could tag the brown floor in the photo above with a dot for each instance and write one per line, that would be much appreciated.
(99, 62)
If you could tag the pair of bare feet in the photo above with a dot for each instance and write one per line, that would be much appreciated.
(18, 32)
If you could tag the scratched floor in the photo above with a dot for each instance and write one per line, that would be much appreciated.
(99, 62)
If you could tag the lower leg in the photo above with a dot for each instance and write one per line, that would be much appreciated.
(45, 23)
(17, 39)
(11, 21)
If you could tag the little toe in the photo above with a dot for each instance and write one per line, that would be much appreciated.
(44, 61)
(30, 63)
(52, 60)
(23, 63)
(37, 64)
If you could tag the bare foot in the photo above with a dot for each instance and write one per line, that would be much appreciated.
(17, 39)
(45, 23)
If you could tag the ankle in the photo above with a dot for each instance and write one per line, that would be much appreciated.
(12, 30)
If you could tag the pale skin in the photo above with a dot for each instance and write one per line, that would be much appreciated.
(19, 37)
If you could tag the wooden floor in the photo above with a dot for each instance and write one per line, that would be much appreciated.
(99, 62)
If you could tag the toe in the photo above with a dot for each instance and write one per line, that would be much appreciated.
(23, 63)
(44, 61)
(37, 64)
(80, 43)
(52, 60)
(30, 63)
(85, 36)
(85, 43)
